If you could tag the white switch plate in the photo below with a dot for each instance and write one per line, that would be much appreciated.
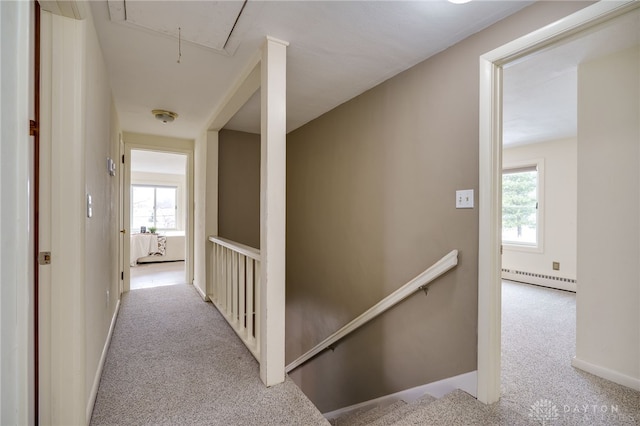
(464, 199)
(89, 206)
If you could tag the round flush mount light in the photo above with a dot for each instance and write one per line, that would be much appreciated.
(459, 1)
(164, 115)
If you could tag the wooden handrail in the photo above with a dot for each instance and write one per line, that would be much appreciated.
(418, 283)
(248, 251)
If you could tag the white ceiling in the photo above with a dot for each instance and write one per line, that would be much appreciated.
(338, 49)
(540, 91)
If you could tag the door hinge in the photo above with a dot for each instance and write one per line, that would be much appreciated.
(33, 128)
(122, 275)
(44, 258)
(122, 158)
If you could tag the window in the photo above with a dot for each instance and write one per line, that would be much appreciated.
(154, 207)
(521, 205)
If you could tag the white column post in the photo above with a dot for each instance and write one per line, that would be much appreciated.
(272, 210)
(210, 175)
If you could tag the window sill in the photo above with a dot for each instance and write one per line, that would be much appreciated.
(522, 248)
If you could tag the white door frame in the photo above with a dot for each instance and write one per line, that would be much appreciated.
(490, 172)
(134, 141)
(122, 260)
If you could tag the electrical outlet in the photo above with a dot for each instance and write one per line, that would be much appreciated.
(556, 266)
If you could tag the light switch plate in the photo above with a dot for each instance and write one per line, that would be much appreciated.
(464, 199)
(89, 206)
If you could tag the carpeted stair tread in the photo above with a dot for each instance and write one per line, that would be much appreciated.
(351, 416)
(460, 408)
(398, 414)
(375, 413)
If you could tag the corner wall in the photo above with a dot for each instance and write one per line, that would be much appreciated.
(608, 302)
(371, 204)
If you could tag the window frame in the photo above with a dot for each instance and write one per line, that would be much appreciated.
(538, 247)
(155, 213)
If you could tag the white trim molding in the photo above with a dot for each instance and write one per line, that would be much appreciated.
(466, 382)
(103, 357)
(490, 168)
(273, 165)
(605, 373)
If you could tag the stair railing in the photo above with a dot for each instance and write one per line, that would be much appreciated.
(236, 289)
(421, 282)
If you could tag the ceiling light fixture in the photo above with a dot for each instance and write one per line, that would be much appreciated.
(164, 115)
(459, 1)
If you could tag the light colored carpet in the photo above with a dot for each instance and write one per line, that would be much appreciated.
(174, 360)
(538, 343)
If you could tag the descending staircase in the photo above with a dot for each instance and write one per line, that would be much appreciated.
(455, 408)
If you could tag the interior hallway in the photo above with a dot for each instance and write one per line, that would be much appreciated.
(174, 360)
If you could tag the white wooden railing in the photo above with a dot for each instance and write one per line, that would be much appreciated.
(418, 283)
(235, 289)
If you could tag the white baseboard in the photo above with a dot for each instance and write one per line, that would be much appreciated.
(467, 382)
(542, 280)
(605, 373)
(103, 357)
(200, 292)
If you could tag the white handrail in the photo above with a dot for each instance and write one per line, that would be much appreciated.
(248, 251)
(235, 288)
(419, 282)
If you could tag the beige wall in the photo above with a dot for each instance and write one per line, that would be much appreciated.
(559, 209)
(370, 204)
(608, 299)
(239, 187)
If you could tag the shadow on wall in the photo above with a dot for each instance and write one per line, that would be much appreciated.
(239, 187)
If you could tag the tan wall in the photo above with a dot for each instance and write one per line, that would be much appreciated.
(239, 187)
(608, 297)
(370, 204)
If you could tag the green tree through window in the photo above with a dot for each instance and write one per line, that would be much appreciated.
(519, 205)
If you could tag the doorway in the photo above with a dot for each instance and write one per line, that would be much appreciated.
(569, 34)
(158, 212)
(157, 218)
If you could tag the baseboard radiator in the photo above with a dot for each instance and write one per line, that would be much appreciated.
(552, 281)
